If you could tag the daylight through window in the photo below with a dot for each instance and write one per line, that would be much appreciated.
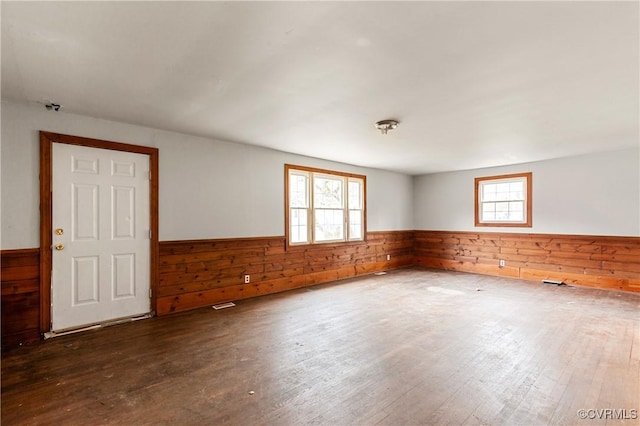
(324, 206)
(503, 200)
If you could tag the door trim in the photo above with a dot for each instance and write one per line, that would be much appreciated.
(46, 203)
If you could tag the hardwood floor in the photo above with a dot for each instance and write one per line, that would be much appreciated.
(415, 346)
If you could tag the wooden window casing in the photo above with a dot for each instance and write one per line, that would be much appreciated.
(304, 207)
(482, 203)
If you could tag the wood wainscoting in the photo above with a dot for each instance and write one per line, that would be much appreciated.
(591, 261)
(194, 274)
(20, 296)
(204, 272)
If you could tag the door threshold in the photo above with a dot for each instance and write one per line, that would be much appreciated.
(67, 331)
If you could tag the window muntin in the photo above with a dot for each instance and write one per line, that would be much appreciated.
(503, 200)
(324, 206)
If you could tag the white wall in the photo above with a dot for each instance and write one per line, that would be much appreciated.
(597, 194)
(208, 188)
(215, 189)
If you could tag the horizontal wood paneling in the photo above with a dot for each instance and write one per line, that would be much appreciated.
(204, 272)
(199, 273)
(592, 261)
(20, 281)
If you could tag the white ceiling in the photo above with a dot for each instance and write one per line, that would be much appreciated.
(473, 84)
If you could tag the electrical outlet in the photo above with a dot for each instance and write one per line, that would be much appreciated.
(388, 257)
(501, 263)
(247, 279)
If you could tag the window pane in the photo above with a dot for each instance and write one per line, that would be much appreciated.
(502, 187)
(298, 190)
(516, 187)
(502, 192)
(299, 229)
(516, 211)
(502, 211)
(503, 200)
(502, 207)
(488, 207)
(516, 206)
(488, 211)
(507, 211)
(329, 225)
(516, 216)
(489, 192)
(355, 194)
(355, 224)
(486, 216)
(516, 190)
(327, 192)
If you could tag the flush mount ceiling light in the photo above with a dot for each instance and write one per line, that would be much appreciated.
(385, 125)
(51, 106)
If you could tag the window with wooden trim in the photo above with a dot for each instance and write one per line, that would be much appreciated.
(324, 206)
(503, 200)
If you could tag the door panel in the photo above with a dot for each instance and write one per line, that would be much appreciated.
(123, 202)
(84, 211)
(101, 258)
(85, 280)
(124, 276)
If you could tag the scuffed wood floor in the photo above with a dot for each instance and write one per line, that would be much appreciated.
(415, 346)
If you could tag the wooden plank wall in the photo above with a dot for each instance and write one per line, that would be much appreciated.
(20, 281)
(592, 261)
(200, 273)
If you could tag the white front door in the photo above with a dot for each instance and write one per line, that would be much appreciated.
(101, 231)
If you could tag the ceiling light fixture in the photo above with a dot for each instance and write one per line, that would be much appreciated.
(385, 125)
(50, 106)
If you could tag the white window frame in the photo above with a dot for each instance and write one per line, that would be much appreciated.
(308, 209)
(480, 182)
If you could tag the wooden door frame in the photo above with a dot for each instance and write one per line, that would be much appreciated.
(46, 204)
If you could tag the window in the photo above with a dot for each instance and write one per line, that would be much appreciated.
(323, 206)
(503, 200)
